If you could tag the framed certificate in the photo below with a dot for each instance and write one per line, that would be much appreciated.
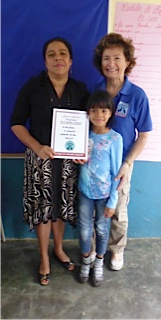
(69, 135)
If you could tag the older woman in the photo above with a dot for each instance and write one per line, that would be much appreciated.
(49, 184)
(114, 58)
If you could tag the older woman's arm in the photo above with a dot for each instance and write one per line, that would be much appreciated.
(138, 146)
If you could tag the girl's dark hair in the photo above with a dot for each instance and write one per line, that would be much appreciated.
(100, 99)
(59, 39)
(112, 40)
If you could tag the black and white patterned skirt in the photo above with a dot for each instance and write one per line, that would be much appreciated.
(50, 190)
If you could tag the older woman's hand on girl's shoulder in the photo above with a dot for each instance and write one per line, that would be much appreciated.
(45, 152)
(108, 212)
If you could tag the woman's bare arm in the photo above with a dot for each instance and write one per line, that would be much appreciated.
(138, 146)
(42, 151)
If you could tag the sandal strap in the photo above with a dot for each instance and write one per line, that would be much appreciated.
(44, 276)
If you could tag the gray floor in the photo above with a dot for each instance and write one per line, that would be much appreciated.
(132, 293)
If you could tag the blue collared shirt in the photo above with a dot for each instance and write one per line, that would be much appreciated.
(132, 113)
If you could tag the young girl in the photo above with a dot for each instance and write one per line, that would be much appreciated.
(97, 185)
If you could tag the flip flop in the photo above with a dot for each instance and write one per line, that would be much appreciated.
(68, 265)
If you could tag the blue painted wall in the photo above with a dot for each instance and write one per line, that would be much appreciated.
(144, 206)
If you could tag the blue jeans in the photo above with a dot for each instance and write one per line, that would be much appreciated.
(85, 224)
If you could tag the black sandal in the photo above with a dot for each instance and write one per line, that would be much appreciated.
(44, 279)
(68, 265)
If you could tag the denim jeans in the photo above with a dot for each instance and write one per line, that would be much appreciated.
(85, 224)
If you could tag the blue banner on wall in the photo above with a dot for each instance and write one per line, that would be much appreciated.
(26, 25)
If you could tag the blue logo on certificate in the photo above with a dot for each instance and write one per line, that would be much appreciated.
(69, 145)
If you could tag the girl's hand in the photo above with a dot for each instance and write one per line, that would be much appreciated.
(108, 212)
(45, 152)
(79, 161)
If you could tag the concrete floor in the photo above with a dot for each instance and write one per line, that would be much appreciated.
(132, 293)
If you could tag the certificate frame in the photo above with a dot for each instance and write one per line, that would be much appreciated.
(69, 134)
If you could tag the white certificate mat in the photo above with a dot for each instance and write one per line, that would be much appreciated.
(69, 135)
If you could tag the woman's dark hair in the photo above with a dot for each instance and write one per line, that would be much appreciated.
(112, 40)
(59, 39)
(100, 99)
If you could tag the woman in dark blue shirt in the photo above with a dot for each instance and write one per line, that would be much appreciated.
(114, 58)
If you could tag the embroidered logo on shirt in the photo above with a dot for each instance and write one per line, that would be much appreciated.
(122, 109)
